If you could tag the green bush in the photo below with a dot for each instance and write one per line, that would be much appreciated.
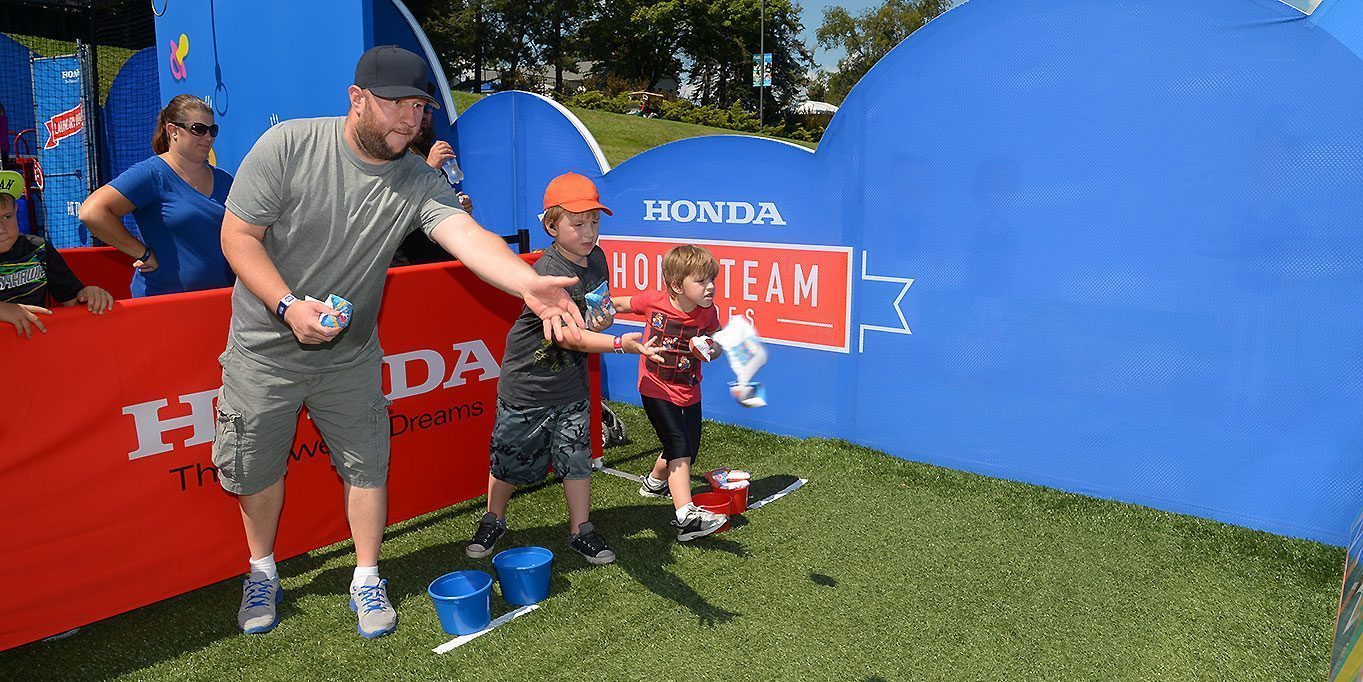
(735, 117)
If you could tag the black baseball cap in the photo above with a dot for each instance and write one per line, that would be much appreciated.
(393, 73)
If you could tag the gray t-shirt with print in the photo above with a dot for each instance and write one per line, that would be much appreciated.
(333, 223)
(536, 372)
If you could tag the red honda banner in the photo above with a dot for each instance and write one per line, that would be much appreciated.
(110, 500)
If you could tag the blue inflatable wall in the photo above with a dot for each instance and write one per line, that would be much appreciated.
(16, 91)
(1101, 245)
(259, 62)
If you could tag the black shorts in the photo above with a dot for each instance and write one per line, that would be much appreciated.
(678, 427)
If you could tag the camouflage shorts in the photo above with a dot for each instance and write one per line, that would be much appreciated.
(525, 440)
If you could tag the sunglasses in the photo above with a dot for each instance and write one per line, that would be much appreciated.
(198, 129)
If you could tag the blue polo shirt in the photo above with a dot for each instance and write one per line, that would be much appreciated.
(180, 224)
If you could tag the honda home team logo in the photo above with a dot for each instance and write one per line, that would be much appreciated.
(64, 125)
(794, 294)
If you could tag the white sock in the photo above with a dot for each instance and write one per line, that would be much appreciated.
(362, 572)
(653, 482)
(681, 513)
(266, 566)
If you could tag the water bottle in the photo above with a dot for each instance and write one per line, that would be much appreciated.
(452, 172)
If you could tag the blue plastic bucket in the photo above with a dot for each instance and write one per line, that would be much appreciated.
(524, 574)
(463, 601)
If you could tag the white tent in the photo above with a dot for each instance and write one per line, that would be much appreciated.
(816, 108)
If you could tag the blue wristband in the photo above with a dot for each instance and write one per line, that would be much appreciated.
(284, 303)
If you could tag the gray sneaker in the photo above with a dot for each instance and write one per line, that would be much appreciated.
(370, 602)
(259, 603)
(699, 523)
(661, 491)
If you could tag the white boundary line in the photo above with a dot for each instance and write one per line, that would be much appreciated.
(799, 483)
(622, 474)
(788, 490)
(503, 619)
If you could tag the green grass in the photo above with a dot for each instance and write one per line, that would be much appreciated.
(878, 569)
(621, 136)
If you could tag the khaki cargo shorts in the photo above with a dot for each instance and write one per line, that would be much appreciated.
(258, 417)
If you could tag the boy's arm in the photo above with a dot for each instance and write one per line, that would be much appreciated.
(621, 303)
(97, 300)
(62, 284)
(596, 342)
(23, 317)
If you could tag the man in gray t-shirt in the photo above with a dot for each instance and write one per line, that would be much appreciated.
(318, 208)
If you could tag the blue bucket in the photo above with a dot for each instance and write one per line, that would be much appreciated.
(524, 574)
(463, 601)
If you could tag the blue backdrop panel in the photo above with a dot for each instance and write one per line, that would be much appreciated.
(130, 113)
(1115, 250)
(258, 63)
(512, 144)
(1133, 234)
(16, 89)
(62, 147)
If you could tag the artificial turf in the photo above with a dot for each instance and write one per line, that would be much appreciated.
(877, 569)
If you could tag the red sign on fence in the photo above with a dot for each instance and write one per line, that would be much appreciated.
(107, 453)
(64, 125)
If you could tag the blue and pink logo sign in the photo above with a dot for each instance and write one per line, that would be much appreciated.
(179, 50)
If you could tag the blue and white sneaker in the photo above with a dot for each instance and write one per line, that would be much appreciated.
(260, 598)
(370, 603)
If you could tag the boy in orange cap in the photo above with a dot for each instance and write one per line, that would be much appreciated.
(543, 403)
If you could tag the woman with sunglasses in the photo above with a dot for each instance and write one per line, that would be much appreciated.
(177, 198)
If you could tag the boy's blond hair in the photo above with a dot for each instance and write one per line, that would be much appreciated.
(688, 260)
(7, 200)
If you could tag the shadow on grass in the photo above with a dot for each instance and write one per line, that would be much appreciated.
(640, 534)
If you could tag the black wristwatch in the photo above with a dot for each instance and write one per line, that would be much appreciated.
(284, 303)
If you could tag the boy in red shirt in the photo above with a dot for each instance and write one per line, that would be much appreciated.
(670, 390)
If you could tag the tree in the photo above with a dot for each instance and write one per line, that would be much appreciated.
(635, 40)
(453, 28)
(723, 36)
(869, 36)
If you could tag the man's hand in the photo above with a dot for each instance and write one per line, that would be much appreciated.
(305, 319)
(465, 202)
(148, 265)
(96, 299)
(630, 343)
(547, 298)
(440, 152)
(23, 317)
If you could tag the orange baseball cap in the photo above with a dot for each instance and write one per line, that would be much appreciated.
(573, 192)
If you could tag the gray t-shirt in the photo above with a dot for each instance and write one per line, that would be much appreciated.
(536, 372)
(333, 223)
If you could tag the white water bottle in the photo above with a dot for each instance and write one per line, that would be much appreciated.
(452, 172)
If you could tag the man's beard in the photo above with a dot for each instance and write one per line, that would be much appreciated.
(373, 141)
